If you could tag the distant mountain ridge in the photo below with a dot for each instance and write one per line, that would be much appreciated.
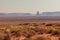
(50, 14)
(15, 13)
(31, 14)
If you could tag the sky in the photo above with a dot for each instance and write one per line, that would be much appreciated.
(29, 5)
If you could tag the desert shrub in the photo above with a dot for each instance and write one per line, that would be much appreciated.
(42, 38)
(48, 24)
(38, 30)
(34, 24)
(26, 23)
(59, 38)
(48, 31)
(56, 32)
(43, 23)
(28, 39)
(42, 31)
(16, 33)
(4, 36)
(19, 24)
(28, 33)
(1, 37)
(7, 37)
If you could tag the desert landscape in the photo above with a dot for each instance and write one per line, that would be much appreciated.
(29, 28)
(29, 19)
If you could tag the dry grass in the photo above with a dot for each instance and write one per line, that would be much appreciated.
(30, 31)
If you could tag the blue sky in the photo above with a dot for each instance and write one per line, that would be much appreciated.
(29, 5)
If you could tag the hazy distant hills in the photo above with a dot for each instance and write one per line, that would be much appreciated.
(15, 14)
(41, 16)
(31, 14)
(50, 14)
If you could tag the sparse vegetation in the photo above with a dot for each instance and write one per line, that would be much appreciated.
(28, 30)
(42, 38)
